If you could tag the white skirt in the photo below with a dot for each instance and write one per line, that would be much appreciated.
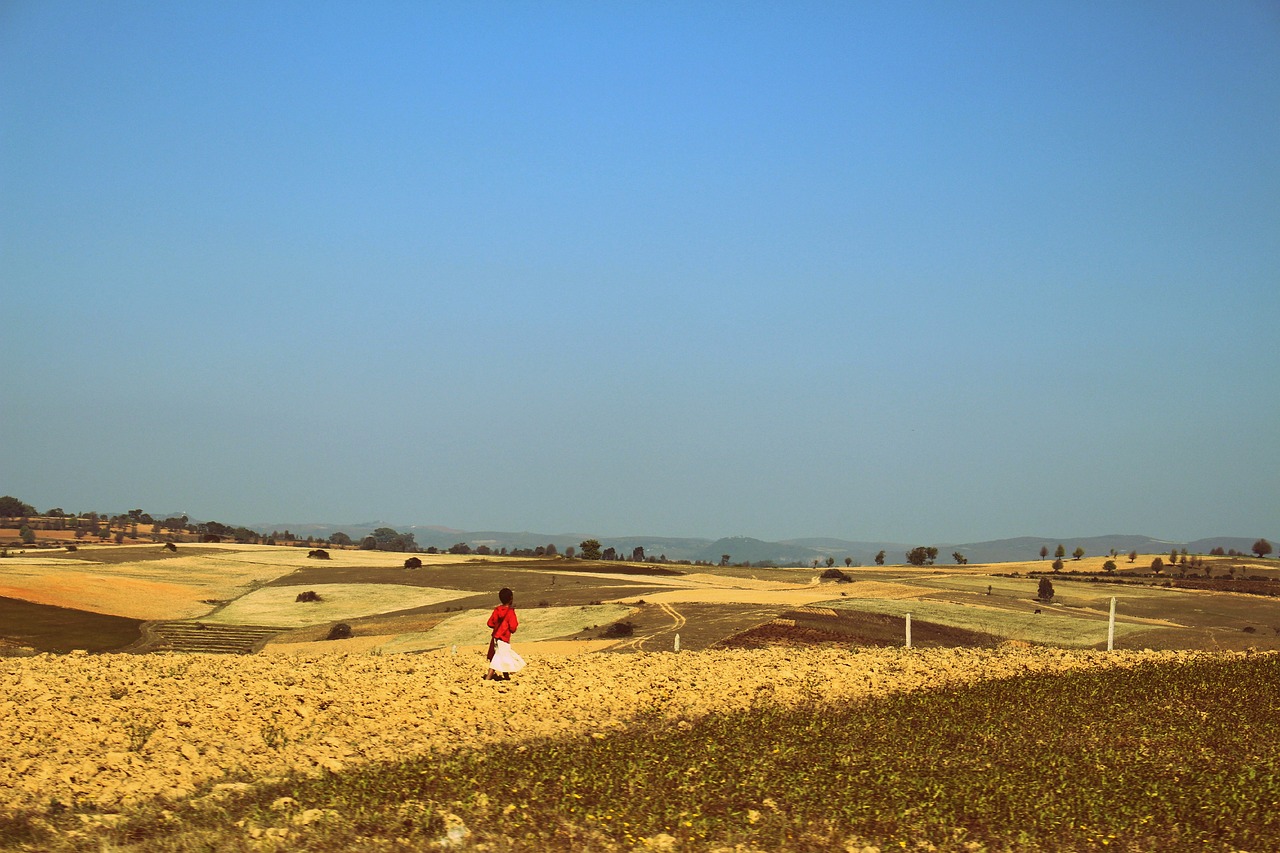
(505, 658)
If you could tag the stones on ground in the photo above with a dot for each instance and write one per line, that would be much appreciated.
(115, 730)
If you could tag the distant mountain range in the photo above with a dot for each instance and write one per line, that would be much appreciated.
(787, 552)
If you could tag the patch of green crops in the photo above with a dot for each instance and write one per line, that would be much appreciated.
(1165, 756)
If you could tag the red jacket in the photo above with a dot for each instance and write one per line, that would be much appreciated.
(503, 622)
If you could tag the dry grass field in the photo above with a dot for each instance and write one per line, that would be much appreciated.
(392, 609)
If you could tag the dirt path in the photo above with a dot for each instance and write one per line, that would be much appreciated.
(649, 642)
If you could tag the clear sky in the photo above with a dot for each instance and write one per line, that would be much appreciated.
(906, 271)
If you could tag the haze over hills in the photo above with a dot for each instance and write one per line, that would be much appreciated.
(790, 551)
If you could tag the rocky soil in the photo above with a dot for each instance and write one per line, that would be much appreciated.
(114, 729)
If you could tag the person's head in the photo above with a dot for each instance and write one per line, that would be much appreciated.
(506, 596)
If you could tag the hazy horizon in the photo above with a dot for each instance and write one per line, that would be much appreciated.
(877, 271)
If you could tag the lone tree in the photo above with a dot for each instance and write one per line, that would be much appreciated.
(1057, 564)
(1262, 548)
(1078, 552)
(1157, 565)
(961, 559)
(1133, 555)
(1060, 552)
(880, 559)
(1109, 567)
(1045, 590)
(922, 556)
(590, 549)
(1044, 552)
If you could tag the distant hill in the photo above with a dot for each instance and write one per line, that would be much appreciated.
(743, 549)
(787, 552)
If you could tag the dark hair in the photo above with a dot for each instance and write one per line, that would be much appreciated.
(505, 595)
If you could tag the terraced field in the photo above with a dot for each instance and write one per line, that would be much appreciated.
(209, 638)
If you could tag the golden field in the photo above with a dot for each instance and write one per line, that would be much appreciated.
(113, 730)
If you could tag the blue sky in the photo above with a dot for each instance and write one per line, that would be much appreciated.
(903, 271)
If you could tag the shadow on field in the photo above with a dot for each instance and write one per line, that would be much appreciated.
(60, 629)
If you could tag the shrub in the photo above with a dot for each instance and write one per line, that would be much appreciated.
(835, 575)
(340, 631)
(620, 629)
(169, 546)
(413, 563)
(309, 595)
(318, 554)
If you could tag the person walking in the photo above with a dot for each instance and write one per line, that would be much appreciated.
(503, 660)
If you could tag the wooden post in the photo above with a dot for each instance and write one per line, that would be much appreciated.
(908, 630)
(1111, 626)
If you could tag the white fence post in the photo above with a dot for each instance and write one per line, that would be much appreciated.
(908, 630)
(1111, 626)
(677, 642)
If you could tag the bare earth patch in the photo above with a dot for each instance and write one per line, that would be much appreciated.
(115, 729)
